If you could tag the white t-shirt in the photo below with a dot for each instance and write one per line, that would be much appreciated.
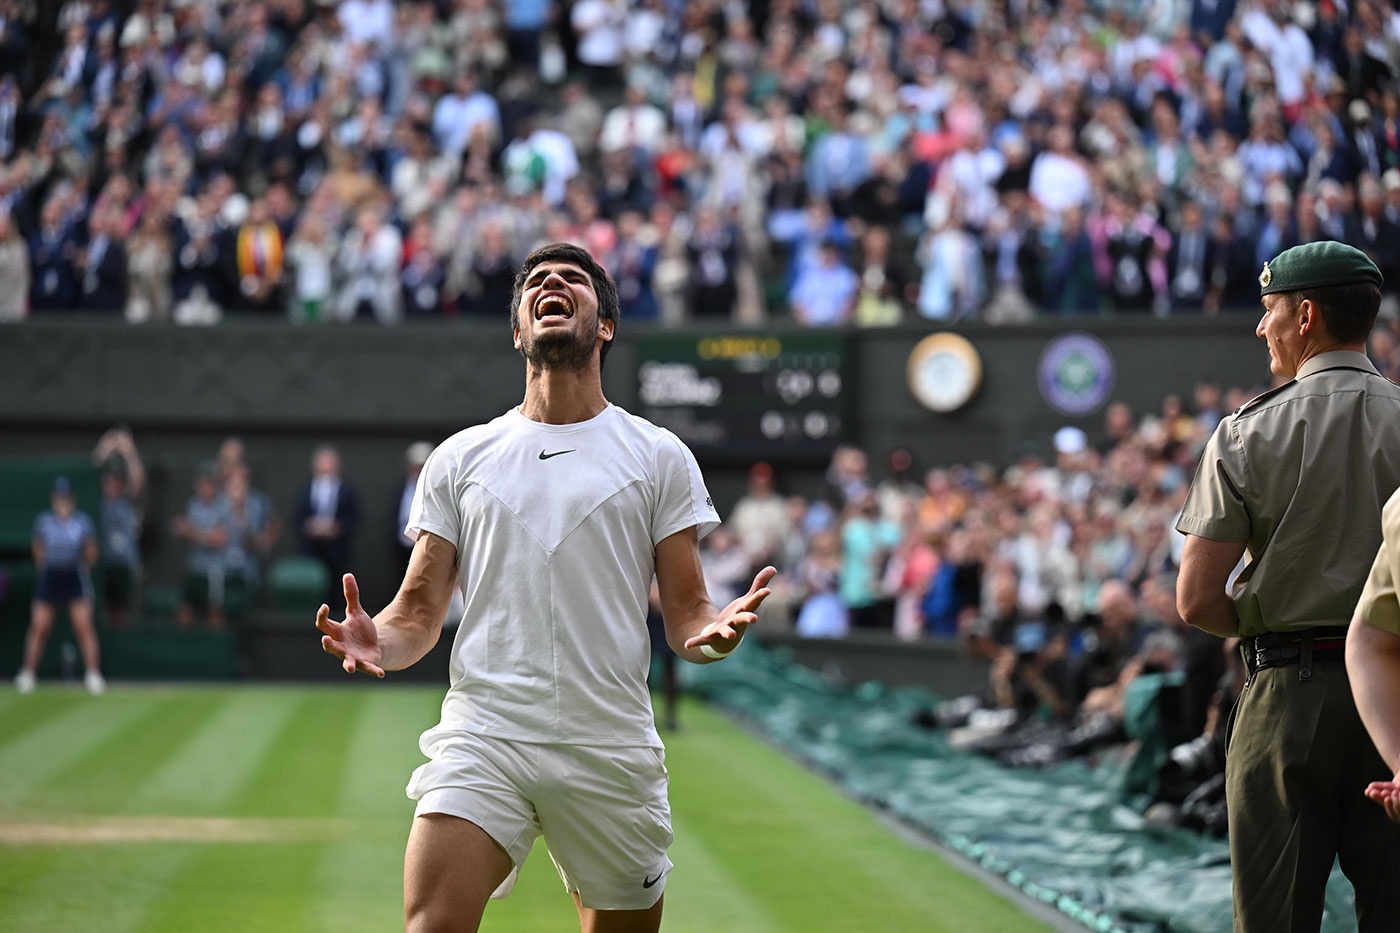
(556, 528)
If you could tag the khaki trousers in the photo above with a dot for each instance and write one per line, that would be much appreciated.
(1297, 762)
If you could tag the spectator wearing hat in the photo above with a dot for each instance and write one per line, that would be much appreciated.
(1297, 479)
(65, 549)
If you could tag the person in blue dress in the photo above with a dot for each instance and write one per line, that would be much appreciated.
(65, 548)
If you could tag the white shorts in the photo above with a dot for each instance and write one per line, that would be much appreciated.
(602, 811)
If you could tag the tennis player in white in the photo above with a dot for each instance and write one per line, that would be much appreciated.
(553, 519)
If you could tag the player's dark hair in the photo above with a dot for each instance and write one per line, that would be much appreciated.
(1348, 311)
(603, 285)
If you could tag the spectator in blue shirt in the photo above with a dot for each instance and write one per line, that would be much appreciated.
(204, 526)
(65, 548)
(824, 295)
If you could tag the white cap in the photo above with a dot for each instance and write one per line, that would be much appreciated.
(1070, 440)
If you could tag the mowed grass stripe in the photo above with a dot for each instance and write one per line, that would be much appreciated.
(98, 889)
(49, 751)
(296, 775)
(214, 764)
(186, 756)
(703, 893)
(361, 880)
(127, 758)
(794, 840)
(383, 749)
(244, 888)
(20, 714)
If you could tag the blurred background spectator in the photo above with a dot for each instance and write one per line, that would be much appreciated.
(327, 513)
(204, 527)
(123, 512)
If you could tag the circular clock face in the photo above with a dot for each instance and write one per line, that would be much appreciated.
(944, 372)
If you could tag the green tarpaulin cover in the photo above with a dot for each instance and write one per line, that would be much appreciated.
(1068, 834)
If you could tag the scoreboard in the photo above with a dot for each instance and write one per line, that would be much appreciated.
(746, 396)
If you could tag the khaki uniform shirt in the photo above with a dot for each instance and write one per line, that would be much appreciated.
(1300, 474)
(1379, 605)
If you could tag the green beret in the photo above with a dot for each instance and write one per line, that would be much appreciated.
(1316, 265)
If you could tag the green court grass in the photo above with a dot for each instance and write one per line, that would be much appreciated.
(252, 808)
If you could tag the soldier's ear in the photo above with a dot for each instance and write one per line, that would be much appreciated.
(1306, 316)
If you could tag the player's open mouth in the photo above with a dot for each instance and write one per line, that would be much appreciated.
(556, 306)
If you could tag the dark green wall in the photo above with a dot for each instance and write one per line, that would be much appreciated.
(373, 391)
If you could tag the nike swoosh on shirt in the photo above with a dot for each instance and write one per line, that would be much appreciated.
(648, 882)
(546, 456)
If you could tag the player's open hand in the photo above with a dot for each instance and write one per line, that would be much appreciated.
(355, 641)
(1387, 794)
(724, 633)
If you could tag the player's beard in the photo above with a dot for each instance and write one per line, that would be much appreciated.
(561, 349)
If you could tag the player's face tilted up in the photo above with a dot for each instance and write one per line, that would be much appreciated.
(559, 327)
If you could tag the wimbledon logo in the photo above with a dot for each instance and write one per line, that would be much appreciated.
(1076, 373)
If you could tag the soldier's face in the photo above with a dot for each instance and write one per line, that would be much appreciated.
(1281, 328)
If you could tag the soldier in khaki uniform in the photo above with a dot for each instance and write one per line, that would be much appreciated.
(1373, 657)
(1295, 479)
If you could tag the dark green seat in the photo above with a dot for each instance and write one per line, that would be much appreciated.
(297, 582)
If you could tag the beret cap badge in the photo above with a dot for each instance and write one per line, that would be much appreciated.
(1266, 276)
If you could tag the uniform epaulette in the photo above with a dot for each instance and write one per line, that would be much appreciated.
(1262, 396)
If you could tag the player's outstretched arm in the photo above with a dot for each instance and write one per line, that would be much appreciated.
(408, 627)
(1373, 664)
(692, 622)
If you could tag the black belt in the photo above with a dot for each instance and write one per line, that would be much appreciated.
(1303, 646)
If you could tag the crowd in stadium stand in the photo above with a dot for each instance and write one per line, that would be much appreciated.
(1059, 572)
(834, 161)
